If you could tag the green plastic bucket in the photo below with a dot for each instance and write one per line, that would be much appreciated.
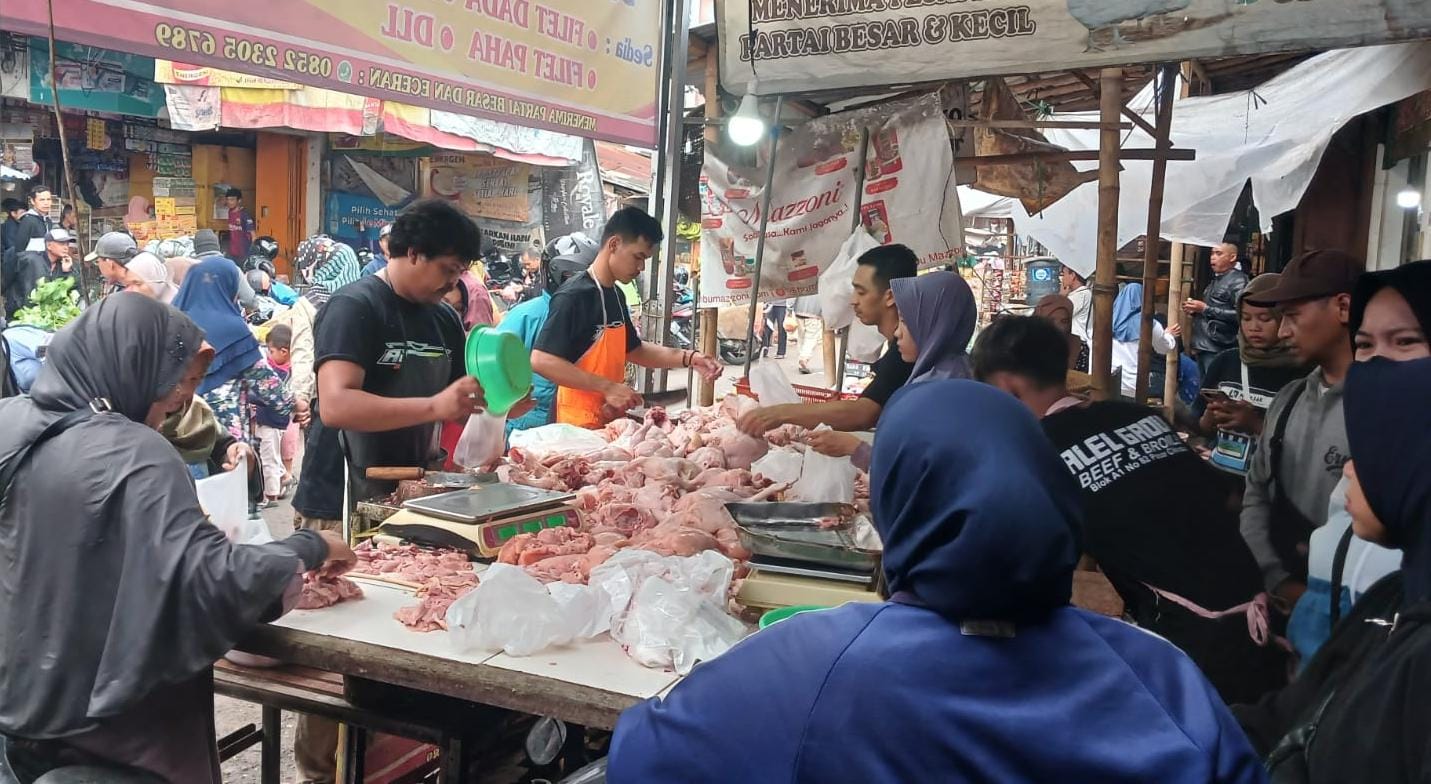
(501, 364)
(776, 616)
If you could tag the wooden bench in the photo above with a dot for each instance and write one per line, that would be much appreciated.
(448, 726)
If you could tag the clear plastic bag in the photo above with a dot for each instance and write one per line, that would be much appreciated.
(772, 386)
(513, 612)
(837, 281)
(483, 441)
(781, 465)
(539, 442)
(865, 343)
(825, 480)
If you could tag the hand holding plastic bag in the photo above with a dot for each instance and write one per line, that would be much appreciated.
(825, 479)
(483, 441)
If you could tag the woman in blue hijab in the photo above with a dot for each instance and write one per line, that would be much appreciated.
(976, 669)
(937, 317)
(239, 377)
(1127, 321)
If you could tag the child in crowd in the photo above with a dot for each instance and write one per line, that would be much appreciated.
(271, 424)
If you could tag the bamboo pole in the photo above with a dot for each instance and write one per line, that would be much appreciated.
(1105, 285)
(78, 263)
(1175, 281)
(1166, 82)
(708, 317)
(764, 224)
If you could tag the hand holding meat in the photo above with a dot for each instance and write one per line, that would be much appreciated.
(758, 422)
(460, 400)
(340, 556)
(621, 397)
(707, 366)
(832, 443)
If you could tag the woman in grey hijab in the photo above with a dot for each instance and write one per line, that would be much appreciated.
(117, 595)
(937, 317)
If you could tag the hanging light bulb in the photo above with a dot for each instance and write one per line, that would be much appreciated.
(746, 126)
(1407, 198)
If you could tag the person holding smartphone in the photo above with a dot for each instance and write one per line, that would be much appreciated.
(1241, 382)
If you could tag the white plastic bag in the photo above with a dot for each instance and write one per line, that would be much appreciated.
(772, 386)
(837, 281)
(539, 442)
(825, 479)
(671, 625)
(669, 611)
(511, 611)
(781, 465)
(224, 498)
(865, 343)
(483, 440)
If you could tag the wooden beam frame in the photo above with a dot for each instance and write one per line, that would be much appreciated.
(1105, 283)
(1122, 107)
(1078, 155)
(1167, 81)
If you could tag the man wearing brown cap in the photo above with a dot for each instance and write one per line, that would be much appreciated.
(1303, 445)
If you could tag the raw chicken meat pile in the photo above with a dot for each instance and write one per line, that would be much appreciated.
(660, 485)
(319, 591)
(442, 576)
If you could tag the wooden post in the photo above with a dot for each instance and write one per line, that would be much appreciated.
(79, 263)
(707, 326)
(1105, 282)
(861, 158)
(1166, 82)
(1175, 281)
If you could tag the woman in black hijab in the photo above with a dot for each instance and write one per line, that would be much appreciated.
(117, 594)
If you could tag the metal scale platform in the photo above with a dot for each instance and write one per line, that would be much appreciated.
(795, 561)
(481, 518)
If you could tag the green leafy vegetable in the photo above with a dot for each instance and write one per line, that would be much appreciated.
(53, 304)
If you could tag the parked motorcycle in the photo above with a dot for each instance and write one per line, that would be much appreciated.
(683, 309)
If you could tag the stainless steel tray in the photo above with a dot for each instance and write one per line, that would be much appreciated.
(792, 531)
(484, 501)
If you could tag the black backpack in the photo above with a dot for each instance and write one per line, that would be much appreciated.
(9, 387)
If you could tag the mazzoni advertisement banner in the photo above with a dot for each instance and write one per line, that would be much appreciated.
(909, 198)
(582, 67)
(803, 44)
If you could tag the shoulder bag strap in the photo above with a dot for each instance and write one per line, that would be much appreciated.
(1339, 564)
(1279, 434)
(16, 461)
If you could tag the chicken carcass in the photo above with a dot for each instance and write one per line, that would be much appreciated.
(676, 540)
(524, 549)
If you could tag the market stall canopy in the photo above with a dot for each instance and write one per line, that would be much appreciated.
(978, 204)
(771, 47)
(1275, 139)
(572, 66)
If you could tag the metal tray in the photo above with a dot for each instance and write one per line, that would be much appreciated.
(483, 502)
(792, 532)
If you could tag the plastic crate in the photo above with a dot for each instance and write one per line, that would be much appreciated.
(807, 394)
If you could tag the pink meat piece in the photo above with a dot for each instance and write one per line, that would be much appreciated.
(617, 428)
(319, 592)
(574, 568)
(434, 597)
(676, 540)
(707, 457)
(610, 539)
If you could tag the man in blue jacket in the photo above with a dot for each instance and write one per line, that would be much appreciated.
(564, 257)
(976, 669)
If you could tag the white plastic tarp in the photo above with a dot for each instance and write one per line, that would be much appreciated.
(1276, 139)
(978, 204)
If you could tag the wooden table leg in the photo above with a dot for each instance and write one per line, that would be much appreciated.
(355, 753)
(454, 761)
(271, 750)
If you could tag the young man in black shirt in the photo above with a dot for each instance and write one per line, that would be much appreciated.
(588, 337)
(874, 305)
(1171, 548)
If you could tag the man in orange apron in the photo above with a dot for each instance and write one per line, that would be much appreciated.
(589, 337)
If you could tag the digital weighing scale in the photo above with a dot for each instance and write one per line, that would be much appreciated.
(482, 518)
(795, 561)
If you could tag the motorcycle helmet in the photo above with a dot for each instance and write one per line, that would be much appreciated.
(683, 276)
(267, 247)
(575, 245)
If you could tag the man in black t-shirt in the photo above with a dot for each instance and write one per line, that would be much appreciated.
(388, 354)
(588, 337)
(388, 357)
(1167, 542)
(874, 306)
